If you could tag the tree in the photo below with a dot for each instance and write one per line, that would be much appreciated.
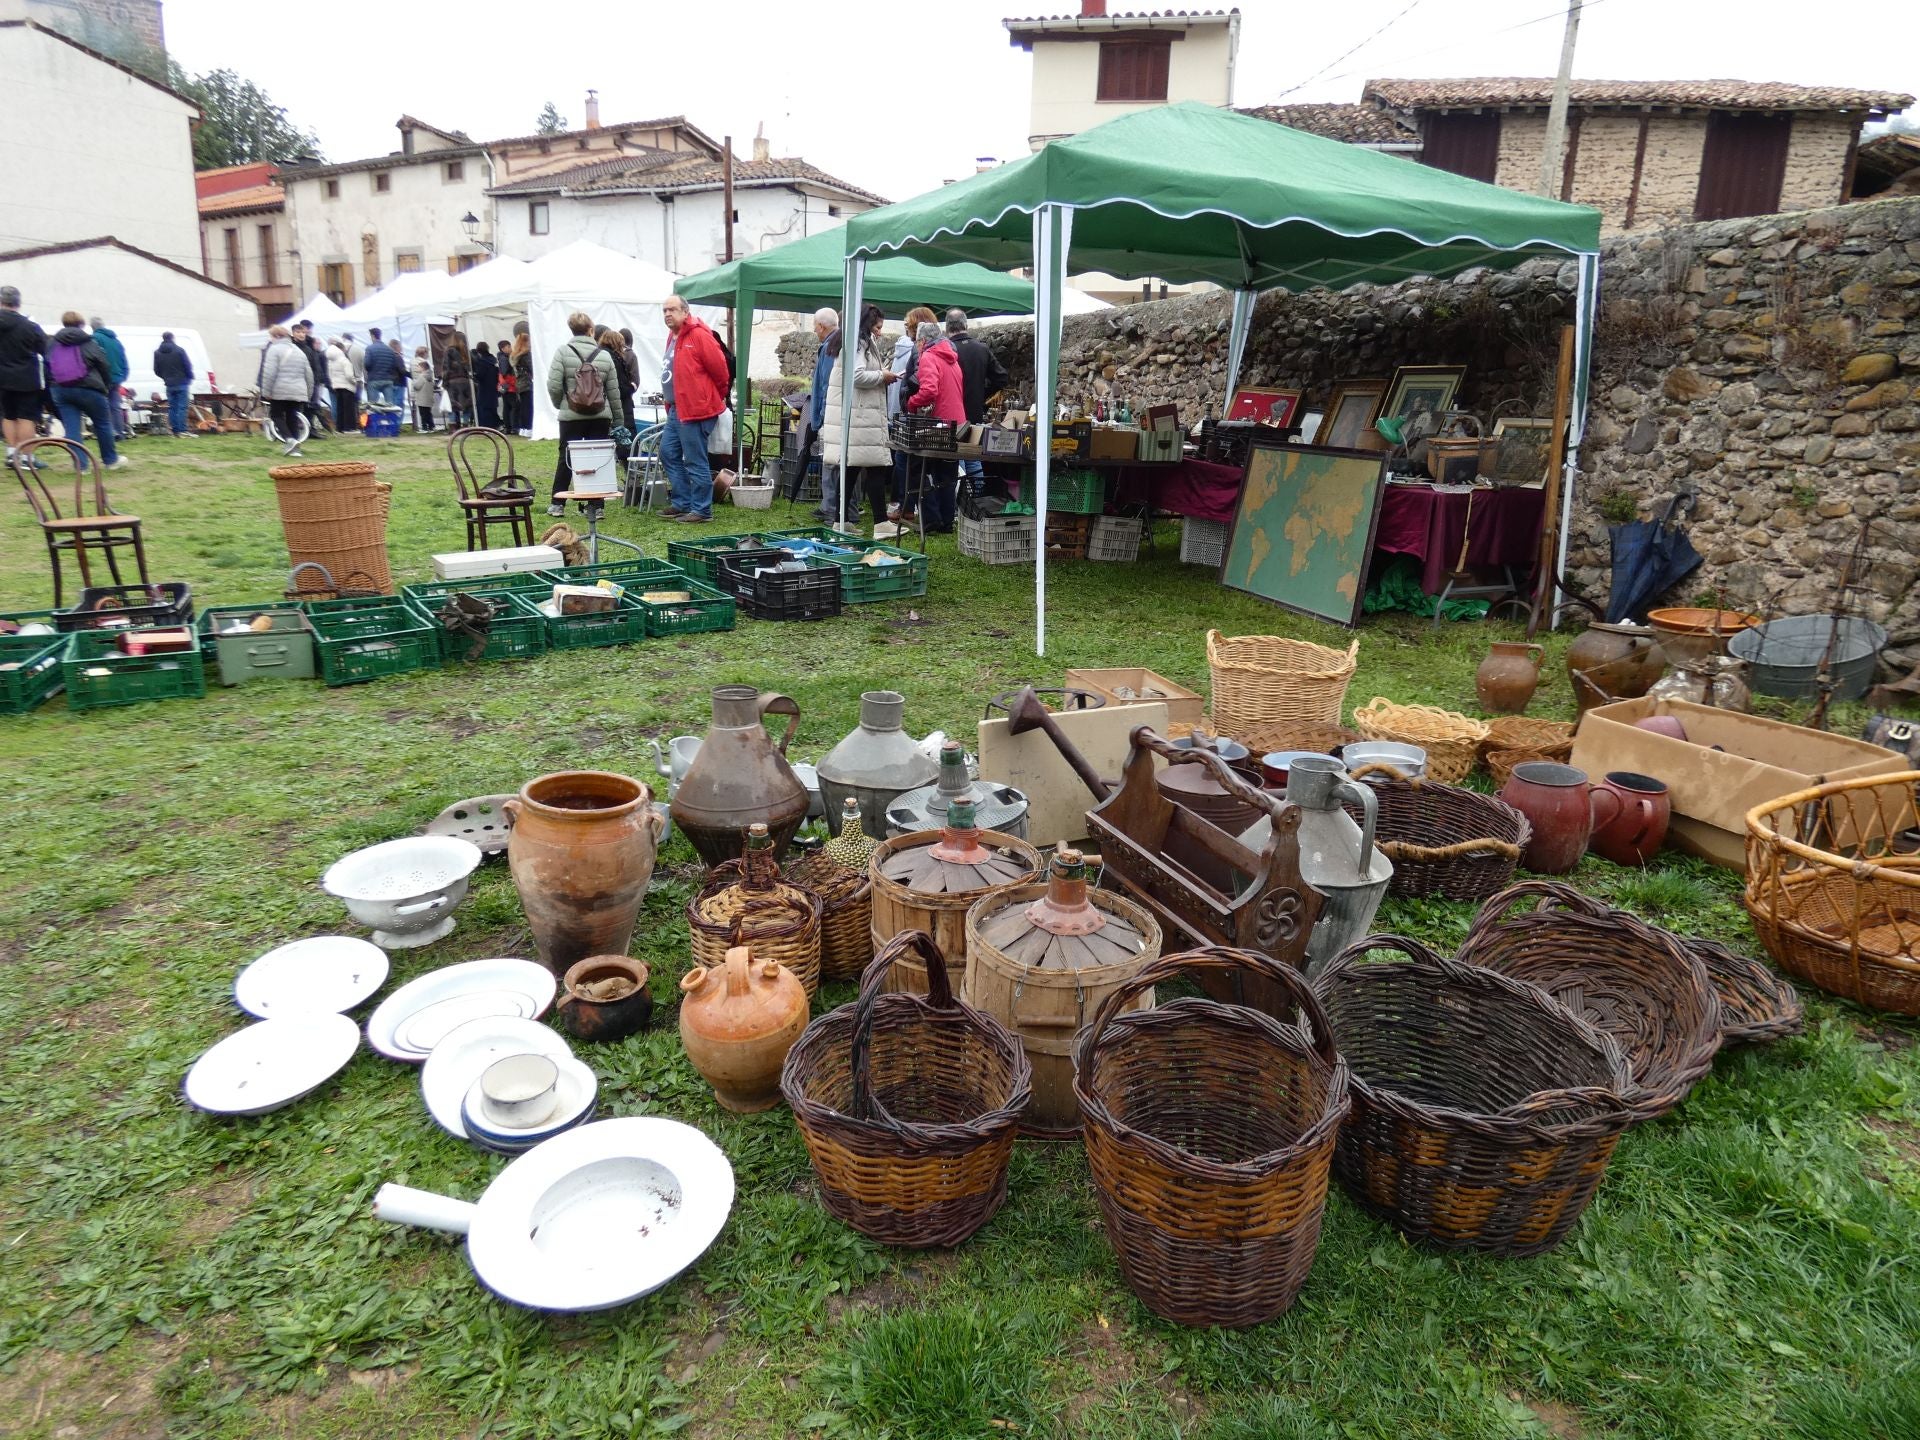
(241, 124)
(551, 121)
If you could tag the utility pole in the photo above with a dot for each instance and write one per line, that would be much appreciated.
(1553, 151)
(726, 202)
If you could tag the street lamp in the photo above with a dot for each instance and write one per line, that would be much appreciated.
(470, 223)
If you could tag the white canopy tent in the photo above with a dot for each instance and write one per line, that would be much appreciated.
(387, 309)
(327, 319)
(1072, 302)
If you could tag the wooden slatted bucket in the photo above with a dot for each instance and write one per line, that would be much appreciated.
(1047, 1007)
(897, 909)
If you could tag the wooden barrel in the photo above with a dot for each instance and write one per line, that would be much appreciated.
(1048, 1008)
(944, 917)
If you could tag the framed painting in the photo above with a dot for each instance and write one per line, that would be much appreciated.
(1303, 529)
(1417, 389)
(1264, 406)
(1350, 413)
(1524, 450)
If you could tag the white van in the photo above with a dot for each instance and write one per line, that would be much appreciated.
(142, 340)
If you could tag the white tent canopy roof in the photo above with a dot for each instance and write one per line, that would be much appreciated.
(1072, 302)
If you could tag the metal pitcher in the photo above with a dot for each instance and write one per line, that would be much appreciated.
(740, 777)
(1337, 857)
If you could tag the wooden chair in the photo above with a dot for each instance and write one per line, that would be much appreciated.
(104, 529)
(505, 497)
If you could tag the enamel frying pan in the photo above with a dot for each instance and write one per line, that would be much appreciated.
(591, 1219)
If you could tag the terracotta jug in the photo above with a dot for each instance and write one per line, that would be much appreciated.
(1637, 828)
(1507, 678)
(740, 778)
(581, 852)
(1555, 800)
(737, 1022)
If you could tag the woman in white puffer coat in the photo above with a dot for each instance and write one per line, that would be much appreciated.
(869, 460)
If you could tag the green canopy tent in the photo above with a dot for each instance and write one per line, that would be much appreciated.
(1190, 193)
(806, 274)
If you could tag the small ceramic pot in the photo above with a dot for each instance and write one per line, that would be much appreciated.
(1636, 828)
(1554, 798)
(606, 1016)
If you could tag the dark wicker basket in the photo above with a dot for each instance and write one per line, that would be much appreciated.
(909, 1105)
(1484, 1111)
(1638, 984)
(1210, 1129)
(1757, 1002)
(1444, 840)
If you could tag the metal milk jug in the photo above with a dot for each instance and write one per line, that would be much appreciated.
(875, 763)
(1337, 857)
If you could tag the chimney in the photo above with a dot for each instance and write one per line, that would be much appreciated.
(762, 150)
(983, 163)
(593, 109)
(1093, 9)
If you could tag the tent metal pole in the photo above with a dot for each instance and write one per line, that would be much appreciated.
(1237, 344)
(745, 303)
(856, 280)
(1586, 298)
(1052, 239)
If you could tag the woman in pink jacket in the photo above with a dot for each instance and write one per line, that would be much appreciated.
(941, 394)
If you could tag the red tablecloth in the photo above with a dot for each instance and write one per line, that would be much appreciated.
(1196, 488)
(1418, 521)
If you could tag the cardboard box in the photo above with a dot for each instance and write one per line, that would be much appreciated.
(509, 560)
(1184, 707)
(1712, 790)
(1111, 443)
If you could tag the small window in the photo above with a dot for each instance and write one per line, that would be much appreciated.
(269, 262)
(406, 262)
(537, 221)
(460, 264)
(833, 211)
(337, 283)
(234, 276)
(456, 171)
(333, 189)
(382, 183)
(1134, 71)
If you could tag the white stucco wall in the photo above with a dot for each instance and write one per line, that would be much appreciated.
(124, 289)
(89, 150)
(1066, 78)
(420, 211)
(685, 237)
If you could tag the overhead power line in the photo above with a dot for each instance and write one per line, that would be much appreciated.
(1407, 10)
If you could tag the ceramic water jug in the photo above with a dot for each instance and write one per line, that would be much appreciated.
(737, 1022)
(1556, 801)
(1507, 678)
(740, 777)
(1637, 827)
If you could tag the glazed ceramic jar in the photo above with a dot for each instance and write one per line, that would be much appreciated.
(1507, 678)
(737, 1022)
(581, 853)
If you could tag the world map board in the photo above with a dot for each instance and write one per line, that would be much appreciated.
(1304, 528)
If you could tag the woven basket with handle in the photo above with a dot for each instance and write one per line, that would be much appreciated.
(1270, 680)
(909, 1105)
(1451, 740)
(751, 905)
(1443, 840)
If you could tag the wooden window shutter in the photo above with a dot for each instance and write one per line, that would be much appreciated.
(1742, 165)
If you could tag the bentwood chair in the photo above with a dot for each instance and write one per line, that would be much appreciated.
(505, 497)
(104, 529)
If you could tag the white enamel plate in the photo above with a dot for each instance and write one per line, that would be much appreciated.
(458, 1060)
(271, 1064)
(413, 1020)
(325, 974)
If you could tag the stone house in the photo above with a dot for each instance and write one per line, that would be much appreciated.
(1648, 153)
(243, 235)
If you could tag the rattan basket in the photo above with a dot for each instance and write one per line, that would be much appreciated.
(1443, 840)
(752, 905)
(1757, 1003)
(846, 913)
(336, 516)
(1264, 680)
(1451, 740)
(1834, 891)
(1484, 1111)
(1623, 976)
(908, 1106)
(1210, 1129)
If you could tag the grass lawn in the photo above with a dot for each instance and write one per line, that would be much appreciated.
(1748, 1268)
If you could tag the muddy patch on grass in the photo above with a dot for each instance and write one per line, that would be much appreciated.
(1903, 1136)
(1560, 1422)
(1888, 1036)
(209, 1209)
(83, 1397)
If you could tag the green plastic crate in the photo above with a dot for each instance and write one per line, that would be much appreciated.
(860, 583)
(283, 653)
(622, 625)
(128, 679)
(1077, 492)
(698, 559)
(29, 667)
(363, 639)
(432, 594)
(518, 632)
(708, 610)
(621, 572)
(809, 532)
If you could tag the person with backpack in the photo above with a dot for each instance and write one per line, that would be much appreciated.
(173, 367)
(693, 382)
(117, 372)
(77, 371)
(584, 386)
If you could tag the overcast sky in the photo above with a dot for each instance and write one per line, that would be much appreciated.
(896, 96)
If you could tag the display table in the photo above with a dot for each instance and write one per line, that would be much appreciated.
(1501, 527)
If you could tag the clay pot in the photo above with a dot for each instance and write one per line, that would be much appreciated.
(737, 1022)
(1613, 662)
(1554, 798)
(608, 1016)
(1637, 827)
(581, 852)
(1666, 725)
(1507, 678)
(739, 777)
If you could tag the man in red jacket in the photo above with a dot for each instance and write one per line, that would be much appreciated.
(694, 382)
(942, 394)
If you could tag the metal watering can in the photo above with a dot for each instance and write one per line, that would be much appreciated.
(1337, 857)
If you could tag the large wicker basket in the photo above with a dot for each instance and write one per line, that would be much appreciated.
(1624, 977)
(1833, 887)
(1484, 1111)
(1451, 740)
(1264, 680)
(335, 515)
(909, 1106)
(846, 913)
(1444, 840)
(1210, 1129)
(752, 906)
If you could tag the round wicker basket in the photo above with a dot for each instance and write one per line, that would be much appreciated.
(1452, 740)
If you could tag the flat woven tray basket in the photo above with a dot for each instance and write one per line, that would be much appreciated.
(909, 1105)
(1452, 740)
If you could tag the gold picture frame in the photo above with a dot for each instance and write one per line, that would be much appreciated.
(1417, 388)
(1350, 412)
